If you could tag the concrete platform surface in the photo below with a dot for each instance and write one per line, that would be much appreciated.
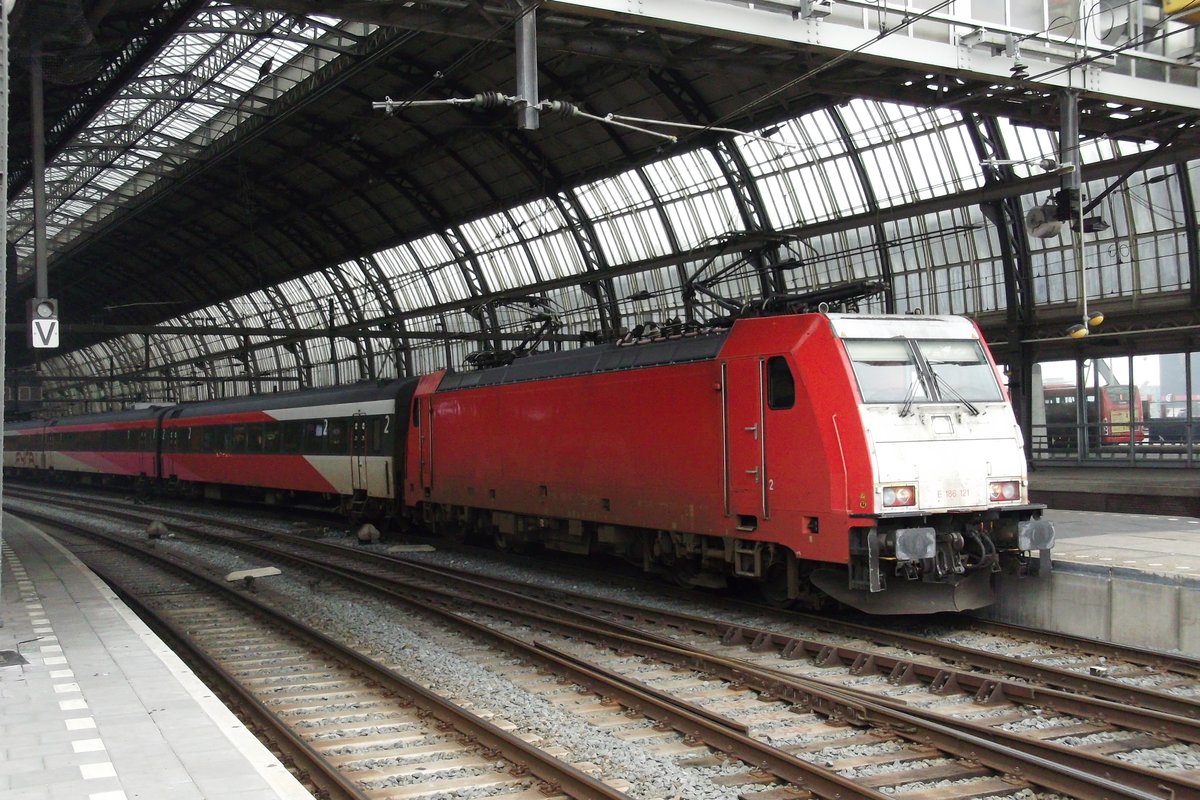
(1132, 579)
(1153, 543)
(94, 706)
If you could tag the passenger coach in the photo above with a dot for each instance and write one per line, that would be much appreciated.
(341, 443)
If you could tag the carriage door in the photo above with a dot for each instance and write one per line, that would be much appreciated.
(358, 452)
(744, 444)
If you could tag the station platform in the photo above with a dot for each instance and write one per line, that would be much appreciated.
(1132, 579)
(1117, 487)
(94, 706)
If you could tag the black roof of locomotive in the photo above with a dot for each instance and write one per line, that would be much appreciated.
(591, 360)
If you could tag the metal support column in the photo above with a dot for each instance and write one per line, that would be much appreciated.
(333, 359)
(527, 69)
(1068, 153)
(38, 124)
(4, 95)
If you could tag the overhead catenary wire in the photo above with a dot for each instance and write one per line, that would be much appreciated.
(691, 126)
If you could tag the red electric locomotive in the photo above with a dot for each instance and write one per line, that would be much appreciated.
(851, 453)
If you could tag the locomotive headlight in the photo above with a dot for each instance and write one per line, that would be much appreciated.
(899, 496)
(1004, 491)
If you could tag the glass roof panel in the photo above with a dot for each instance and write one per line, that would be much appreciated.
(935, 263)
(498, 250)
(911, 153)
(190, 94)
(554, 249)
(441, 268)
(696, 198)
(628, 225)
(946, 262)
(295, 290)
(837, 257)
(404, 278)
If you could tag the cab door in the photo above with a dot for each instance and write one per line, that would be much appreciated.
(426, 412)
(744, 442)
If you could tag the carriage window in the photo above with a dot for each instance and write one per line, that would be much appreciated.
(314, 436)
(337, 436)
(781, 386)
(238, 441)
(291, 436)
(270, 437)
(254, 438)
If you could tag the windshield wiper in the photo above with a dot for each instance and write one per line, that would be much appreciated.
(906, 409)
(945, 384)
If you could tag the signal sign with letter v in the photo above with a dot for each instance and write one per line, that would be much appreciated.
(45, 333)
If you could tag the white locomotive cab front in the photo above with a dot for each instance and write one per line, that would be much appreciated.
(951, 496)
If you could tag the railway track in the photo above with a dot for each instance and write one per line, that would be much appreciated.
(896, 719)
(355, 728)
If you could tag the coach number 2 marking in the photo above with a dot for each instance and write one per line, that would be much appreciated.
(770, 484)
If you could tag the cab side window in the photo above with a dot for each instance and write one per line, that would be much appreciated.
(781, 386)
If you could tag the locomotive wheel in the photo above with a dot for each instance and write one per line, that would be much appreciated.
(773, 588)
(682, 574)
(507, 544)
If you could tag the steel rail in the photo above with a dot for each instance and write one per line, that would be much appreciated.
(1120, 696)
(549, 769)
(1170, 715)
(1089, 763)
(717, 732)
(1085, 775)
(313, 766)
(714, 730)
(1043, 763)
(1169, 662)
(1092, 686)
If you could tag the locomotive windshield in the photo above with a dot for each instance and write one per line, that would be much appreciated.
(912, 370)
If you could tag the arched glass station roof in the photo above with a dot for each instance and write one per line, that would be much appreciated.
(844, 160)
(930, 198)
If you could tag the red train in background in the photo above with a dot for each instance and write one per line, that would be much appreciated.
(1116, 420)
(874, 459)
